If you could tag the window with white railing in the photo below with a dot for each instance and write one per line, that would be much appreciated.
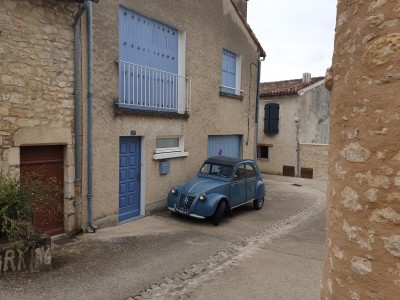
(231, 73)
(150, 71)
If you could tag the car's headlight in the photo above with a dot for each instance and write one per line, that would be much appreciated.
(174, 190)
(202, 196)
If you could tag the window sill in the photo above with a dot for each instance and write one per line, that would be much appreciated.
(170, 155)
(233, 96)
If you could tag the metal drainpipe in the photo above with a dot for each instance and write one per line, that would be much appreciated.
(77, 75)
(257, 108)
(90, 119)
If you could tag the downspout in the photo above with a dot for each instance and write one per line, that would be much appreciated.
(90, 119)
(257, 108)
(77, 75)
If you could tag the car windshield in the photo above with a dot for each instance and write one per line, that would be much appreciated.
(217, 170)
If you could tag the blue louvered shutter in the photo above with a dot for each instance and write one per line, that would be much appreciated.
(228, 72)
(148, 43)
(271, 118)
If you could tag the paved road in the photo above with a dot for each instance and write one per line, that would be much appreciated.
(257, 254)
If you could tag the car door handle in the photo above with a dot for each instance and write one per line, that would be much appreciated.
(138, 177)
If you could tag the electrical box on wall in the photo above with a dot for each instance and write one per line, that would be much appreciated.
(164, 167)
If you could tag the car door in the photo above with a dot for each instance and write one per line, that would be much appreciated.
(251, 182)
(238, 186)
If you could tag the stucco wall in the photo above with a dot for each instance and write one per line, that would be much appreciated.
(362, 258)
(311, 106)
(315, 156)
(314, 116)
(283, 145)
(210, 26)
(36, 83)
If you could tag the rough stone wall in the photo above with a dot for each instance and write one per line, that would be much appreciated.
(36, 73)
(362, 258)
(36, 81)
(316, 157)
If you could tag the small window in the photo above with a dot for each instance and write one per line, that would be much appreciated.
(169, 144)
(263, 151)
(271, 119)
(231, 68)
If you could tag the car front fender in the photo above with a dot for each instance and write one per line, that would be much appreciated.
(207, 207)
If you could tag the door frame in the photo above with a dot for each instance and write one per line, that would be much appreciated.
(142, 179)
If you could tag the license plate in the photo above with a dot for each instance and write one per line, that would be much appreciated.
(181, 211)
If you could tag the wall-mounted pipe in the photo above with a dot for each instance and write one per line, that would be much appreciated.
(90, 117)
(77, 125)
(257, 108)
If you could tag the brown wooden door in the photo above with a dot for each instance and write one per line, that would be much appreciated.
(46, 162)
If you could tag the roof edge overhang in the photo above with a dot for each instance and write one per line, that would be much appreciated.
(260, 49)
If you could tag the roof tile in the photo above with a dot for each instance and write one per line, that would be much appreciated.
(285, 87)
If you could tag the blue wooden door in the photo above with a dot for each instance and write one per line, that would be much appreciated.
(129, 177)
(224, 145)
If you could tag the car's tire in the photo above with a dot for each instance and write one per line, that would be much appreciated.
(258, 203)
(219, 213)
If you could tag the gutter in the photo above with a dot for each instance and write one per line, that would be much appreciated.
(77, 125)
(257, 108)
(92, 226)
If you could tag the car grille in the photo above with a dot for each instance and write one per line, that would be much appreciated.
(185, 202)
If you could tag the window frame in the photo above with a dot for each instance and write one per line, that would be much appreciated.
(170, 152)
(224, 89)
(268, 146)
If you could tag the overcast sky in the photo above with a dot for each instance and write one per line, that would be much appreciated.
(296, 35)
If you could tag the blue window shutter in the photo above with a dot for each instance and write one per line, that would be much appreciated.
(271, 118)
(228, 71)
(148, 43)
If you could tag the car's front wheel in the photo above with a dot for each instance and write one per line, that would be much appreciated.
(219, 213)
(258, 203)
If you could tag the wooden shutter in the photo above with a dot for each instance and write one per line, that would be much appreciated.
(228, 71)
(149, 43)
(271, 118)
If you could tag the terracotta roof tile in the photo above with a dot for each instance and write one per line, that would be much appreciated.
(285, 87)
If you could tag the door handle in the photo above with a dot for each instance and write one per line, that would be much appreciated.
(138, 177)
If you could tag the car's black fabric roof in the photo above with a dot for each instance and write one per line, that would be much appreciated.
(224, 160)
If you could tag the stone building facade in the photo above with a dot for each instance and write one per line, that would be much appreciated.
(302, 121)
(36, 85)
(362, 258)
(202, 67)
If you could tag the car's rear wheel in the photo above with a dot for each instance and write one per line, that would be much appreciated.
(219, 213)
(258, 203)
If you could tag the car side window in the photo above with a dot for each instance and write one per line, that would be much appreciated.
(250, 171)
(240, 173)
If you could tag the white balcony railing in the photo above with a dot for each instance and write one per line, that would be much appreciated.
(145, 88)
(230, 90)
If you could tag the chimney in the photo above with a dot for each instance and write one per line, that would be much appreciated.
(242, 7)
(306, 77)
